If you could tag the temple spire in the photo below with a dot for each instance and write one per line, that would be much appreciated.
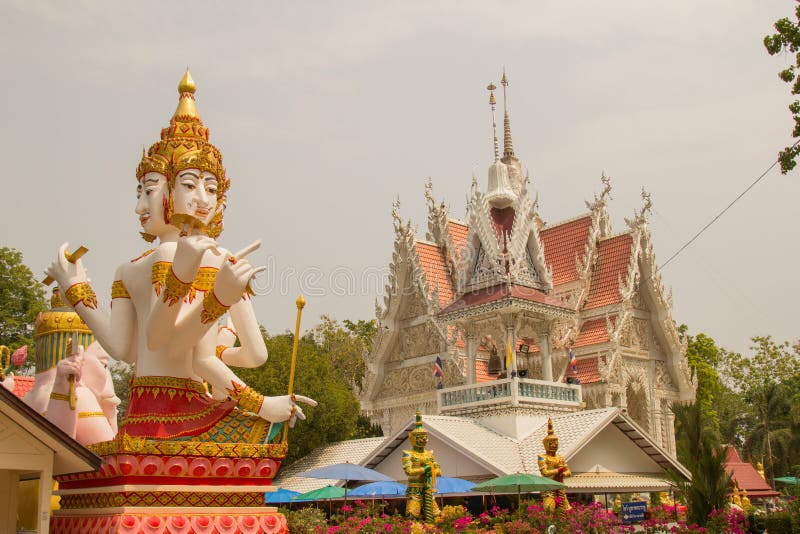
(492, 102)
(508, 145)
(186, 106)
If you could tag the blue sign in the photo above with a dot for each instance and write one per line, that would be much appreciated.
(633, 511)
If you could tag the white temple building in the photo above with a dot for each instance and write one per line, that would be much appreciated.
(502, 299)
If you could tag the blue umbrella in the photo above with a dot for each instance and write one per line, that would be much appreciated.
(379, 489)
(280, 496)
(347, 472)
(448, 485)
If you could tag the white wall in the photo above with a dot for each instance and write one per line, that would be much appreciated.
(612, 449)
(453, 463)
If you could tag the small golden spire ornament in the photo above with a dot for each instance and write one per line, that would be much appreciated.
(508, 145)
(492, 102)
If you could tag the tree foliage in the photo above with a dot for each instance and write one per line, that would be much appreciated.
(326, 363)
(704, 457)
(787, 39)
(21, 299)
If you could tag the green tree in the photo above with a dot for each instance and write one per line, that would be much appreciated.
(346, 347)
(787, 39)
(316, 376)
(21, 298)
(704, 457)
(767, 380)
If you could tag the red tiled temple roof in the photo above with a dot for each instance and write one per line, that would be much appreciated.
(593, 332)
(588, 369)
(747, 477)
(563, 244)
(432, 262)
(500, 292)
(458, 235)
(22, 385)
(613, 256)
(482, 372)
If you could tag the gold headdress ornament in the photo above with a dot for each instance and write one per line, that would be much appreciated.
(551, 436)
(418, 430)
(184, 145)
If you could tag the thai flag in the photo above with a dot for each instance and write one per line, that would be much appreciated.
(437, 368)
(573, 361)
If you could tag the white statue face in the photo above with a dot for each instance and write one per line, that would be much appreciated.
(151, 193)
(96, 376)
(195, 194)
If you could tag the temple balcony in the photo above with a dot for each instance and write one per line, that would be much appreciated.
(509, 393)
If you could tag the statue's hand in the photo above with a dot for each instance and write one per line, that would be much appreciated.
(66, 274)
(72, 366)
(284, 408)
(189, 255)
(234, 275)
(226, 335)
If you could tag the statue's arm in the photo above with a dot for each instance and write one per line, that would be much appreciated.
(114, 331)
(408, 467)
(545, 470)
(273, 409)
(182, 269)
(252, 351)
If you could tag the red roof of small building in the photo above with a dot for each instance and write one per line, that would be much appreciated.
(593, 332)
(563, 244)
(22, 385)
(613, 256)
(747, 477)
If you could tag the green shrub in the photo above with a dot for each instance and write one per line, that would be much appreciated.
(778, 523)
(306, 520)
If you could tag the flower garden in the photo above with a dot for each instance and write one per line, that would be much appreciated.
(366, 517)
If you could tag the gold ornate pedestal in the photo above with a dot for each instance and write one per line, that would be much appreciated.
(173, 487)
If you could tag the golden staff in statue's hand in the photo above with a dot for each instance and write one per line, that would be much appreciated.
(73, 395)
(72, 258)
(301, 302)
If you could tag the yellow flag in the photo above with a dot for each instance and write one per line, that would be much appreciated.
(509, 354)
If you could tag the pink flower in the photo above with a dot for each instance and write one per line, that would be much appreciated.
(20, 355)
(346, 508)
(333, 529)
(387, 527)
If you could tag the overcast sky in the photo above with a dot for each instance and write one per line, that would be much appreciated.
(326, 112)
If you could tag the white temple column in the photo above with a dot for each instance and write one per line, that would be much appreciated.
(547, 356)
(472, 352)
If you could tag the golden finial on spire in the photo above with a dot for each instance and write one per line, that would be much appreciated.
(508, 146)
(491, 87)
(186, 84)
(186, 107)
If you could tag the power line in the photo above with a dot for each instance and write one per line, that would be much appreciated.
(721, 213)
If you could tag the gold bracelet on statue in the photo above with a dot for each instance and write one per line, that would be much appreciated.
(174, 288)
(118, 290)
(220, 350)
(81, 292)
(59, 396)
(84, 415)
(247, 398)
(213, 309)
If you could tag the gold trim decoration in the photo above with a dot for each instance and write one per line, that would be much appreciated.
(191, 499)
(247, 398)
(51, 322)
(213, 309)
(175, 289)
(83, 293)
(118, 290)
(143, 255)
(220, 350)
(125, 444)
(59, 396)
(158, 275)
(85, 415)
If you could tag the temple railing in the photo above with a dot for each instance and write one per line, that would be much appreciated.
(509, 392)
